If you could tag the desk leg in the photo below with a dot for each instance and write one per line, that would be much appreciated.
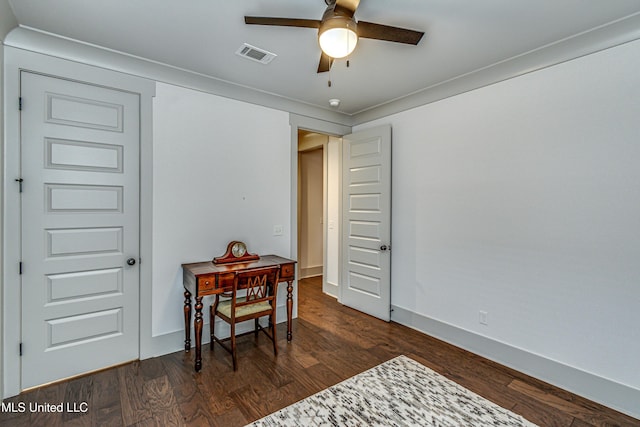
(198, 331)
(289, 308)
(187, 321)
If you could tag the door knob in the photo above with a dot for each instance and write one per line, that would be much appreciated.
(131, 261)
(384, 248)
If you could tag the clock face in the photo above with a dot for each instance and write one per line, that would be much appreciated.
(238, 249)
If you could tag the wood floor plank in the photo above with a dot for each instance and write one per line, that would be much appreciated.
(78, 393)
(542, 415)
(52, 395)
(251, 400)
(152, 369)
(581, 412)
(191, 402)
(303, 358)
(579, 423)
(105, 405)
(135, 408)
(233, 417)
(159, 393)
(17, 412)
(331, 343)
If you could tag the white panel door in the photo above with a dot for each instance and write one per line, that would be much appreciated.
(80, 225)
(366, 221)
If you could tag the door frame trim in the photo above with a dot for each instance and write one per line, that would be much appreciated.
(15, 61)
(298, 122)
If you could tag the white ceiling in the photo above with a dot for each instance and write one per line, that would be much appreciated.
(461, 36)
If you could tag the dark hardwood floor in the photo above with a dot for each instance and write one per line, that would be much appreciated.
(330, 343)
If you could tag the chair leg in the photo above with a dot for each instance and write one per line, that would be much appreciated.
(212, 320)
(256, 327)
(212, 324)
(272, 322)
(233, 346)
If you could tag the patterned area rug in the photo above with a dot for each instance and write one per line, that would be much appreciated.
(399, 392)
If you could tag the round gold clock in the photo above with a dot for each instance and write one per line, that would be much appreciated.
(238, 249)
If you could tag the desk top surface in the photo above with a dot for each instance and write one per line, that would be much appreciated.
(208, 267)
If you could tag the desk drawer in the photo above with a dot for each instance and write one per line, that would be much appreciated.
(287, 272)
(206, 283)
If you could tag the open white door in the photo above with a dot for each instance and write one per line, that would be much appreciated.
(366, 221)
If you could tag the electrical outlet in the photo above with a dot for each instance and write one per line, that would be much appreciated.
(483, 318)
(277, 230)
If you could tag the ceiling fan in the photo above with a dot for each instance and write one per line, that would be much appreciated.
(338, 30)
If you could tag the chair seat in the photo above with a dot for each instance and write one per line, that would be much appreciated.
(225, 308)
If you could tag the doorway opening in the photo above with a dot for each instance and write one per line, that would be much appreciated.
(319, 209)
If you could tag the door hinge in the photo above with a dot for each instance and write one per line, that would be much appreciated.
(20, 349)
(19, 181)
(20, 267)
(20, 104)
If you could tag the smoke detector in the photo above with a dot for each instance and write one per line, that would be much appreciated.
(255, 53)
(335, 102)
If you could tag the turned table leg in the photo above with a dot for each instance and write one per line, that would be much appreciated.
(187, 321)
(198, 332)
(289, 308)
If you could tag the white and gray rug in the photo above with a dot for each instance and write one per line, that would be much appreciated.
(399, 392)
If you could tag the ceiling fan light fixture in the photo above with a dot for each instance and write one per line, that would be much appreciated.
(338, 37)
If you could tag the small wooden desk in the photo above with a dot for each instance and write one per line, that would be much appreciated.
(206, 278)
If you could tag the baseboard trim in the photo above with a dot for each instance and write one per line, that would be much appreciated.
(331, 289)
(306, 272)
(604, 391)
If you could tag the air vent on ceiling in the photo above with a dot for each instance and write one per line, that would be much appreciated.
(255, 54)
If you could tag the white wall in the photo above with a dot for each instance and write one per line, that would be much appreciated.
(522, 199)
(220, 173)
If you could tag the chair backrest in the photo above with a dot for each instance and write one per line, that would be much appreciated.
(260, 284)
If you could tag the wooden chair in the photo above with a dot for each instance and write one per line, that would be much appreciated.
(253, 296)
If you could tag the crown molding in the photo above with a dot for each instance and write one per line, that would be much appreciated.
(73, 50)
(613, 34)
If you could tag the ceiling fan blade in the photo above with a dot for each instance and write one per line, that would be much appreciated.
(283, 22)
(348, 5)
(325, 63)
(369, 30)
